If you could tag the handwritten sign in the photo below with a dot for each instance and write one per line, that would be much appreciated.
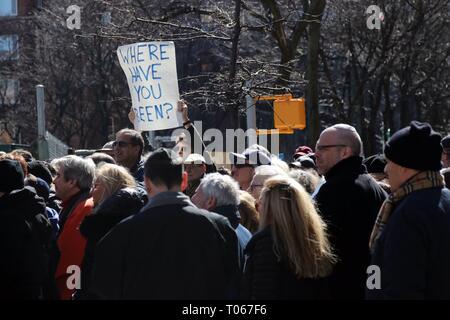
(151, 71)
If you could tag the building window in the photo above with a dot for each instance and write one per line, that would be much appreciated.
(8, 8)
(9, 47)
(9, 89)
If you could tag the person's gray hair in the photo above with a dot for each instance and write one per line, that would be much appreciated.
(76, 168)
(277, 162)
(269, 170)
(348, 135)
(306, 179)
(221, 187)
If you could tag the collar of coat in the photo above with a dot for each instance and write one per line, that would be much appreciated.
(169, 198)
(349, 166)
(138, 165)
(231, 212)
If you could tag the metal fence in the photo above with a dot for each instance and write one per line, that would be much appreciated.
(56, 148)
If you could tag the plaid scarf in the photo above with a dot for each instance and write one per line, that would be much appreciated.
(422, 180)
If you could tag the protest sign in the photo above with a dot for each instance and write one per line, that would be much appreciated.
(150, 68)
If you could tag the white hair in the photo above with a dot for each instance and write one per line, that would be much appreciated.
(277, 162)
(269, 170)
(350, 136)
(76, 168)
(221, 187)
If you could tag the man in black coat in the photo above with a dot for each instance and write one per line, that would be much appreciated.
(348, 202)
(170, 249)
(411, 238)
(25, 234)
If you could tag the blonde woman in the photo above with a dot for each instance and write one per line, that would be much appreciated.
(110, 178)
(248, 212)
(116, 197)
(290, 256)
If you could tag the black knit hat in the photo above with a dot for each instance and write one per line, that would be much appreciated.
(11, 176)
(416, 147)
(39, 169)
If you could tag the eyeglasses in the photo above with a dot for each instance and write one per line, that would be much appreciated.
(323, 147)
(121, 144)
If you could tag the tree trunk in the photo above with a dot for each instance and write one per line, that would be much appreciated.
(312, 90)
(235, 119)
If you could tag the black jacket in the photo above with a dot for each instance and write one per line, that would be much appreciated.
(24, 239)
(169, 250)
(68, 208)
(413, 250)
(349, 202)
(231, 212)
(122, 204)
(137, 171)
(267, 277)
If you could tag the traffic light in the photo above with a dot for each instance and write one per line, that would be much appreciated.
(288, 113)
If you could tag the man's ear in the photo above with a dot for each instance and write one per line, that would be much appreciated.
(137, 148)
(72, 182)
(148, 184)
(211, 203)
(346, 152)
(184, 181)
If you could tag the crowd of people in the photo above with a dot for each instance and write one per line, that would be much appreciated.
(165, 226)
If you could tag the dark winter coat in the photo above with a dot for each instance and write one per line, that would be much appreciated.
(137, 171)
(121, 205)
(231, 212)
(24, 238)
(268, 277)
(349, 202)
(413, 250)
(169, 250)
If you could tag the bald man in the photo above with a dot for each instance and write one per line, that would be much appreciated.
(348, 201)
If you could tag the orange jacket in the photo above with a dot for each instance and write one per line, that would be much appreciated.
(71, 245)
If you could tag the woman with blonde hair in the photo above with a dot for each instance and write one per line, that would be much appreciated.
(290, 256)
(109, 178)
(115, 197)
(248, 212)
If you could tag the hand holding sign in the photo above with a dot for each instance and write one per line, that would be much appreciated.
(131, 115)
(151, 73)
(183, 109)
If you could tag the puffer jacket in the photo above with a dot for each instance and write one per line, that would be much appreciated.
(109, 213)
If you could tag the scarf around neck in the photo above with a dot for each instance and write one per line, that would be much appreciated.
(422, 180)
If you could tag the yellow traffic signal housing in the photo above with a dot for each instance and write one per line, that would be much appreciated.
(288, 113)
(274, 131)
